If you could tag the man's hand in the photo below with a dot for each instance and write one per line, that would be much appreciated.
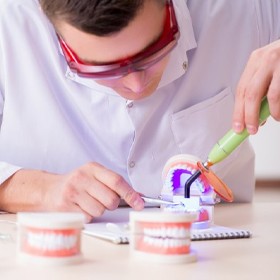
(261, 77)
(90, 189)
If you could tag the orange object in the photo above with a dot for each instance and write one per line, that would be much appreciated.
(219, 186)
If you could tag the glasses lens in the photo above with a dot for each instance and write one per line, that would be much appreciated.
(122, 69)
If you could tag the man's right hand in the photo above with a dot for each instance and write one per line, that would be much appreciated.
(90, 189)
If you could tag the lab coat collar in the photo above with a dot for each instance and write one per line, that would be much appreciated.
(178, 62)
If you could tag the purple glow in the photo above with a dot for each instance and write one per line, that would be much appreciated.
(176, 177)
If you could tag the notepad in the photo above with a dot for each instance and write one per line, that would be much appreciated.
(120, 235)
(105, 231)
(114, 227)
(219, 232)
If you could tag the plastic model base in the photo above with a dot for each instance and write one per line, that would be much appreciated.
(162, 236)
(174, 259)
(26, 259)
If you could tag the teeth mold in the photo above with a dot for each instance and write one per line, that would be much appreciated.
(49, 238)
(175, 173)
(162, 237)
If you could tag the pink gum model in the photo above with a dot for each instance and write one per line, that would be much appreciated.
(175, 174)
(162, 236)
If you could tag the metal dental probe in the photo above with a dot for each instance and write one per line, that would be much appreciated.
(160, 201)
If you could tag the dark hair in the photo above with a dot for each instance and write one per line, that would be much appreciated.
(98, 17)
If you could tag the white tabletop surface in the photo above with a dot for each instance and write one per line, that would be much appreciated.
(254, 258)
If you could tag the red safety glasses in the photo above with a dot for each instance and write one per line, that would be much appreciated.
(139, 62)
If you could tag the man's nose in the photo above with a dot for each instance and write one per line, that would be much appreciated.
(135, 81)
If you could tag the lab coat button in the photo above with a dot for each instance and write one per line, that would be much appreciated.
(70, 75)
(131, 164)
(129, 104)
(185, 65)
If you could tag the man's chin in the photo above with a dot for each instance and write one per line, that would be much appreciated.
(136, 95)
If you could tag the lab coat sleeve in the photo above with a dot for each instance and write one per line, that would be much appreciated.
(6, 169)
(268, 20)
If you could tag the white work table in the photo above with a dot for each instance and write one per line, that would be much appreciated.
(254, 258)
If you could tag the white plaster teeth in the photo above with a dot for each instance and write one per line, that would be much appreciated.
(166, 243)
(51, 242)
(171, 232)
(168, 181)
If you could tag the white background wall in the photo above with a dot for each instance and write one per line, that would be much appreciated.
(267, 148)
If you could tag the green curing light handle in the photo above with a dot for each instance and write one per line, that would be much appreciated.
(232, 140)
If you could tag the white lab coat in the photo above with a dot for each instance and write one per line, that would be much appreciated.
(55, 121)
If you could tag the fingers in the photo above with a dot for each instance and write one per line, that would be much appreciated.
(261, 77)
(68, 196)
(118, 185)
(90, 206)
(87, 186)
(239, 123)
(94, 189)
(91, 195)
(273, 97)
(254, 94)
(77, 208)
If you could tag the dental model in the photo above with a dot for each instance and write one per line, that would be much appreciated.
(162, 236)
(176, 172)
(49, 238)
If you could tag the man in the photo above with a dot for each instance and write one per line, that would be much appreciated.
(97, 95)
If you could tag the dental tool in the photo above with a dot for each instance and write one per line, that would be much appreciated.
(160, 201)
(223, 148)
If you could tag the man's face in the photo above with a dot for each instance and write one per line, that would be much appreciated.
(144, 30)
